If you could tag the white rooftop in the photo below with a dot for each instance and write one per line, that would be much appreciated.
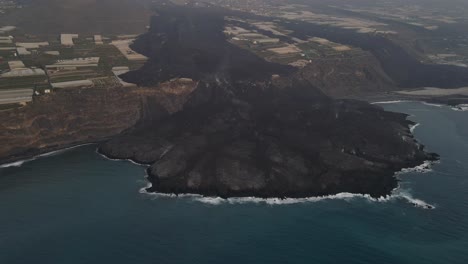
(67, 39)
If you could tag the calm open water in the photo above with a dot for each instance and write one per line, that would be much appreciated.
(78, 207)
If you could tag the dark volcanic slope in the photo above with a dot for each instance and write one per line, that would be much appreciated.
(242, 134)
(275, 146)
(403, 68)
(179, 46)
(191, 43)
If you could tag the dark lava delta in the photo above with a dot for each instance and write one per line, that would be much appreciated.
(243, 133)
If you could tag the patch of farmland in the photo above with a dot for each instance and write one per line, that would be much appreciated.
(22, 82)
(72, 75)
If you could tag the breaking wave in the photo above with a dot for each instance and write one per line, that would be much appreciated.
(398, 194)
(413, 127)
(423, 168)
(15, 164)
(340, 196)
(391, 102)
(461, 107)
(112, 159)
(48, 154)
(432, 104)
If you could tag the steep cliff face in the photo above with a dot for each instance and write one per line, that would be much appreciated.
(65, 118)
(76, 116)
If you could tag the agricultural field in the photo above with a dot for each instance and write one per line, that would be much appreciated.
(22, 82)
(45, 64)
(274, 43)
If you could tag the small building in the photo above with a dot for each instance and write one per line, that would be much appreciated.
(32, 45)
(74, 64)
(23, 72)
(16, 64)
(52, 53)
(79, 61)
(73, 84)
(22, 51)
(124, 47)
(6, 29)
(67, 39)
(98, 40)
(8, 49)
(51, 68)
(6, 41)
(267, 40)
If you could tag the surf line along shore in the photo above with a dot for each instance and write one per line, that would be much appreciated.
(46, 152)
(397, 193)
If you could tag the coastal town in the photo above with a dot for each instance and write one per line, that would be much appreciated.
(33, 66)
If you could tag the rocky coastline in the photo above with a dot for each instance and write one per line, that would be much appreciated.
(215, 122)
(243, 148)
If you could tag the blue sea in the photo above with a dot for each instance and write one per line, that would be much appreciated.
(76, 206)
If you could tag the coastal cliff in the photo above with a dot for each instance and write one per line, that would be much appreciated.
(219, 120)
(76, 116)
(279, 143)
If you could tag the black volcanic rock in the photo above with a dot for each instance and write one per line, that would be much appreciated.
(242, 134)
(186, 42)
(404, 69)
(272, 145)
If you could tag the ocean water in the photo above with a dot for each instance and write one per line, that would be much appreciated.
(77, 207)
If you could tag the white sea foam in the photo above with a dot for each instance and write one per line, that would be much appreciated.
(14, 164)
(413, 127)
(391, 102)
(422, 168)
(431, 104)
(284, 201)
(461, 107)
(130, 160)
(403, 194)
(396, 195)
(48, 154)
